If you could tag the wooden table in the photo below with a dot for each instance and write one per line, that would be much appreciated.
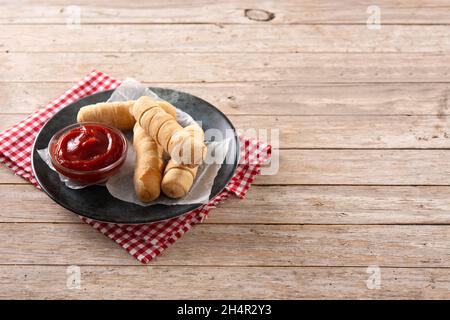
(360, 207)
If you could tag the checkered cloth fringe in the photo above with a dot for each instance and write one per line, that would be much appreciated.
(143, 241)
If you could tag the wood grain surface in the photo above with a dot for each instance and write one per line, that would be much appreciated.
(239, 38)
(364, 128)
(215, 67)
(239, 245)
(229, 12)
(286, 204)
(271, 98)
(101, 282)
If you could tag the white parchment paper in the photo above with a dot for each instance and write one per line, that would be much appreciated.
(121, 185)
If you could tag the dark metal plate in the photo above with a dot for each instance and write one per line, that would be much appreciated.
(95, 202)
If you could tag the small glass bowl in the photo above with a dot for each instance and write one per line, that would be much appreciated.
(93, 176)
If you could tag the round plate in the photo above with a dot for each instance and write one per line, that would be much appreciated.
(95, 202)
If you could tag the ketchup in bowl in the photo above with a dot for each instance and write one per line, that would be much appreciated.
(88, 152)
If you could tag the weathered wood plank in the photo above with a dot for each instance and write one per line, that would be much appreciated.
(271, 98)
(6, 176)
(348, 131)
(207, 11)
(229, 38)
(275, 205)
(98, 282)
(368, 167)
(347, 167)
(335, 131)
(220, 67)
(238, 245)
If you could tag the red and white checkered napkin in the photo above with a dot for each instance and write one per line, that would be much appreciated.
(144, 241)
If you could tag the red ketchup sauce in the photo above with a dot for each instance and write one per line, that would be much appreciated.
(87, 151)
